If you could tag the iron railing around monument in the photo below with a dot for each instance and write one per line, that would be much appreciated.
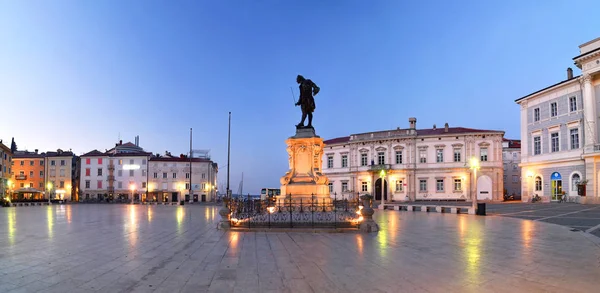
(294, 213)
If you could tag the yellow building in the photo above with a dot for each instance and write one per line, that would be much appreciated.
(59, 174)
(5, 170)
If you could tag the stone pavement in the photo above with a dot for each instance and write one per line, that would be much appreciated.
(124, 248)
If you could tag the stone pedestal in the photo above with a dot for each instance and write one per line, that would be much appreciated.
(304, 178)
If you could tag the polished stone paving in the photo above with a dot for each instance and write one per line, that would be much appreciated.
(124, 248)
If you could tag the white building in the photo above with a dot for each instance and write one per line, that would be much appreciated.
(93, 176)
(410, 164)
(559, 134)
(170, 179)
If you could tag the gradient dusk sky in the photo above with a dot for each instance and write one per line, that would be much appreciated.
(77, 74)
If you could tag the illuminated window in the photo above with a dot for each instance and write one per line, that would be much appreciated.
(364, 186)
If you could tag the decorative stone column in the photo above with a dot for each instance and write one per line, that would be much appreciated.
(589, 112)
(367, 225)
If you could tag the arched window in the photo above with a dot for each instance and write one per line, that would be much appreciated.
(574, 181)
(538, 183)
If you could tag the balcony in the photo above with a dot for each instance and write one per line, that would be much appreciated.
(110, 178)
(111, 167)
(20, 177)
(380, 167)
(111, 189)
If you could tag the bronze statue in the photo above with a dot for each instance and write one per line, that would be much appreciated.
(306, 101)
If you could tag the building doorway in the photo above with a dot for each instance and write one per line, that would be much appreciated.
(203, 197)
(378, 189)
(484, 188)
(555, 185)
(174, 197)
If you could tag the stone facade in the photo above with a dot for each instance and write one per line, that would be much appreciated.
(410, 164)
(59, 172)
(5, 170)
(559, 133)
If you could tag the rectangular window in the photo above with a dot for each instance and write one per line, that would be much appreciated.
(553, 110)
(554, 142)
(62, 172)
(537, 145)
(62, 184)
(187, 175)
(423, 156)
(399, 185)
(31, 184)
(514, 155)
(99, 171)
(87, 184)
(143, 161)
(330, 187)
(457, 155)
(439, 156)
(143, 172)
(52, 163)
(121, 162)
(483, 154)
(380, 158)
(119, 173)
(131, 173)
(398, 157)
(329, 161)
(87, 172)
(439, 185)
(363, 186)
(99, 161)
(41, 185)
(174, 175)
(143, 184)
(203, 175)
(99, 184)
(515, 178)
(538, 184)
(572, 104)
(30, 174)
(363, 160)
(62, 162)
(52, 173)
(344, 161)
(423, 185)
(187, 186)
(344, 186)
(87, 161)
(164, 175)
(514, 166)
(457, 185)
(22, 163)
(155, 175)
(536, 114)
(41, 174)
(574, 134)
(41, 161)
(203, 187)
(119, 184)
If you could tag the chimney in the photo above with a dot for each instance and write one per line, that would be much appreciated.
(446, 127)
(36, 151)
(434, 128)
(569, 73)
(120, 142)
(412, 121)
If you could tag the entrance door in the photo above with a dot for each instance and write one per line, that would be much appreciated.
(203, 197)
(555, 185)
(174, 197)
(484, 188)
(378, 189)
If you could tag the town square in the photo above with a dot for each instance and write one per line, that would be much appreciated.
(313, 146)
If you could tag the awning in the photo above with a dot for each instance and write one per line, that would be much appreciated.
(27, 190)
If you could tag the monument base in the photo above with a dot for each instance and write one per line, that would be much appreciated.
(304, 179)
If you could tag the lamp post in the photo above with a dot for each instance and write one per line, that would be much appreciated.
(474, 166)
(382, 176)
(49, 187)
(132, 187)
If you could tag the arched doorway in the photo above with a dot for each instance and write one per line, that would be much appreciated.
(378, 189)
(484, 188)
(555, 185)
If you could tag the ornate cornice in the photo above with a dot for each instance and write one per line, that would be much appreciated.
(440, 146)
(423, 147)
(398, 147)
(381, 149)
(457, 145)
(484, 144)
(363, 150)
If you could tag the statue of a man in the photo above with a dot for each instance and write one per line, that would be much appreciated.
(306, 101)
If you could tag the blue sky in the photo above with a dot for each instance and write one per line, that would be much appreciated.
(77, 74)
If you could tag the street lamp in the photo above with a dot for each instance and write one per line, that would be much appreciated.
(132, 187)
(49, 186)
(382, 176)
(474, 165)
